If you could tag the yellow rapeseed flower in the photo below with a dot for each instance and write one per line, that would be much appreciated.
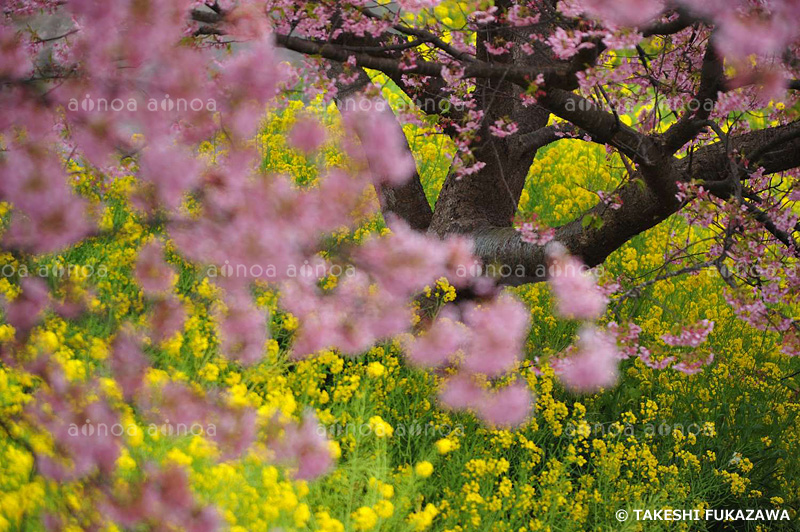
(424, 469)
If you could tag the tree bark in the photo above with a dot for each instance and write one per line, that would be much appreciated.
(490, 197)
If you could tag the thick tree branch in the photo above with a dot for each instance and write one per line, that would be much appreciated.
(604, 127)
(475, 69)
(641, 208)
(711, 163)
(547, 135)
(694, 119)
(407, 201)
(484, 204)
(677, 25)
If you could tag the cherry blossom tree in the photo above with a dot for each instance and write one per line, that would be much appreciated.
(515, 77)
(121, 87)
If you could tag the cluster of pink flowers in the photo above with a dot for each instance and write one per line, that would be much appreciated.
(629, 346)
(615, 12)
(690, 336)
(383, 144)
(482, 341)
(566, 44)
(307, 135)
(152, 272)
(591, 364)
(407, 260)
(162, 500)
(79, 425)
(47, 217)
(613, 201)
(627, 339)
(508, 406)
(533, 232)
(573, 284)
(155, 277)
(502, 128)
(304, 446)
(437, 345)
(743, 30)
(692, 367)
(351, 319)
(27, 309)
(791, 344)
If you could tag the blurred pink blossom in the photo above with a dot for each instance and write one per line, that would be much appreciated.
(153, 273)
(574, 287)
(307, 135)
(305, 446)
(593, 365)
(506, 407)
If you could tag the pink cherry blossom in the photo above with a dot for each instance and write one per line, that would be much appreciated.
(27, 309)
(171, 170)
(167, 317)
(645, 357)
(622, 12)
(305, 446)
(82, 433)
(497, 334)
(438, 344)
(507, 407)
(128, 363)
(503, 129)
(162, 499)
(593, 365)
(690, 336)
(307, 135)
(153, 273)
(243, 329)
(533, 232)
(461, 392)
(693, 367)
(575, 290)
(567, 44)
(383, 143)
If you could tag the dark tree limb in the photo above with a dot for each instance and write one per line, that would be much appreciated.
(406, 201)
(604, 127)
(392, 67)
(547, 135)
(710, 163)
(641, 209)
(677, 25)
(694, 119)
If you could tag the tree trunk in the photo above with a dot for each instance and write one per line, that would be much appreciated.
(489, 197)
